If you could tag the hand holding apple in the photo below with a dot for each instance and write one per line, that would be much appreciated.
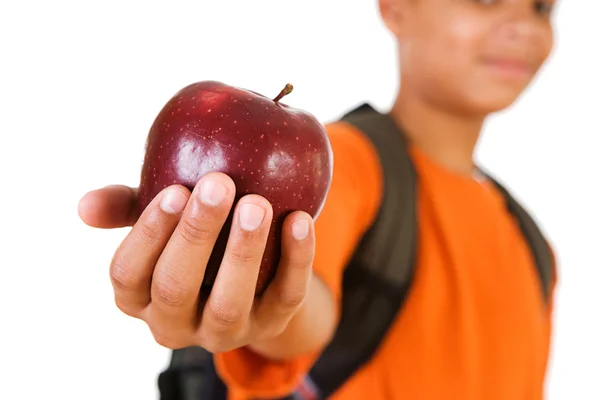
(158, 269)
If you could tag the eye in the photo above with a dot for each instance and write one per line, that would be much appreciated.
(543, 8)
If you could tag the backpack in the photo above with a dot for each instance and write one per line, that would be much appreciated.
(375, 283)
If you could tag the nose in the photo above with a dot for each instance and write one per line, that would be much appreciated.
(520, 23)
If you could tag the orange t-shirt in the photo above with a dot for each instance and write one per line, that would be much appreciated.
(475, 324)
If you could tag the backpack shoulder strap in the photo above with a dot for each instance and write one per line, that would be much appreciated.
(538, 245)
(378, 277)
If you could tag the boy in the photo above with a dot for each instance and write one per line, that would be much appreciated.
(474, 326)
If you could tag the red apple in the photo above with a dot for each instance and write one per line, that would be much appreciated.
(266, 147)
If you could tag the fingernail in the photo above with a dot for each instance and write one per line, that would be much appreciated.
(251, 217)
(300, 229)
(212, 192)
(173, 201)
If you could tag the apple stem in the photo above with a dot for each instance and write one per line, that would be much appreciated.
(286, 90)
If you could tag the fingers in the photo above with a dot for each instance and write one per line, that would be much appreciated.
(180, 269)
(158, 270)
(110, 207)
(287, 290)
(133, 263)
(232, 296)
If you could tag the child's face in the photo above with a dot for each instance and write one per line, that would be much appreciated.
(475, 55)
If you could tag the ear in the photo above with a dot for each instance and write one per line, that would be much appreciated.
(393, 13)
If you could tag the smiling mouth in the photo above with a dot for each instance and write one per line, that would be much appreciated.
(513, 69)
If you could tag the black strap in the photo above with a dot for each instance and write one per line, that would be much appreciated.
(378, 277)
(538, 245)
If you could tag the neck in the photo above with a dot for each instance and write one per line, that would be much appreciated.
(449, 139)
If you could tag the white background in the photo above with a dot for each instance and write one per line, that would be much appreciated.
(80, 84)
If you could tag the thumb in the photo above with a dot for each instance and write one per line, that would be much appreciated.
(114, 206)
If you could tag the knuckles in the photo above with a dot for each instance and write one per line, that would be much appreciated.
(148, 233)
(242, 256)
(169, 291)
(121, 275)
(226, 317)
(291, 300)
(194, 231)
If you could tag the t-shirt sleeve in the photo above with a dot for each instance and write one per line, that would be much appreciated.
(350, 208)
